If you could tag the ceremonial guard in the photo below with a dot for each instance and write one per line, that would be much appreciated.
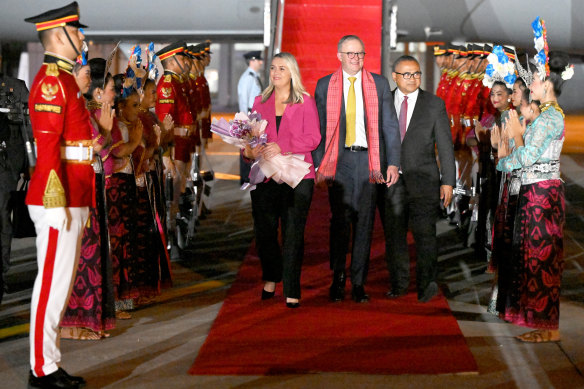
(61, 188)
(205, 96)
(172, 100)
(443, 60)
(192, 66)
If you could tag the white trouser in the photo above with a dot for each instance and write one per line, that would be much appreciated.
(57, 259)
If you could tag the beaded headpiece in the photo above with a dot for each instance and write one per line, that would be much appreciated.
(525, 74)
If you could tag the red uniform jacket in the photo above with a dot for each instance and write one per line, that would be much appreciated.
(59, 118)
(194, 102)
(172, 99)
(206, 104)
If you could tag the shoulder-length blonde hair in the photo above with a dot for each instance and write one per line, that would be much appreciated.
(297, 90)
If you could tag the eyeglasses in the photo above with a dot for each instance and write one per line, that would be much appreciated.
(352, 54)
(409, 75)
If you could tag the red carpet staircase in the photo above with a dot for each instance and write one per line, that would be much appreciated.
(312, 29)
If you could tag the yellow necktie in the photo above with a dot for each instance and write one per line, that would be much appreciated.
(351, 114)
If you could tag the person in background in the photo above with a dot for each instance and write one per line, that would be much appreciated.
(293, 127)
(13, 96)
(90, 312)
(359, 148)
(248, 87)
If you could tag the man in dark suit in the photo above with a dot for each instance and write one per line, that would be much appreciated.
(359, 149)
(424, 127)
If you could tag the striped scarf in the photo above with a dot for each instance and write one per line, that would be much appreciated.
(328, 166)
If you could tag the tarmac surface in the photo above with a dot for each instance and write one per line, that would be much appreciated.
(157, 346)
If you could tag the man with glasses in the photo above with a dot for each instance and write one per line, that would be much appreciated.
(360, 148)
(424, 127)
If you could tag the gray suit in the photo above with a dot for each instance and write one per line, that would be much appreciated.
(416, 195)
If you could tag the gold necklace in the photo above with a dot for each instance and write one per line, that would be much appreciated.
(545, 106)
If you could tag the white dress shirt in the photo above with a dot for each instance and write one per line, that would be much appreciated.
(360, 134)
(399, 98)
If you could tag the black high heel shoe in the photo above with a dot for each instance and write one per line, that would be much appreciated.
(291, 304)
(267, 295)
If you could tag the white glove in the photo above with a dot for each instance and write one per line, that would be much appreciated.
(56, 217)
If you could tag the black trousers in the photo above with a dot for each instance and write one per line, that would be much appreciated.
(244, 169)
(398, 208)
(272, 203)
(5, 230)
(352, 201)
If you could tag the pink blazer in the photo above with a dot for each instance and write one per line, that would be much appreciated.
(299, 128)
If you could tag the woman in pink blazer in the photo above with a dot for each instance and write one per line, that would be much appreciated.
(293, 127)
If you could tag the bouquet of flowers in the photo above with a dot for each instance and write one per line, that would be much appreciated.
(250, 130)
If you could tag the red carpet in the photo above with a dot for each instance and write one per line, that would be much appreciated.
(257, 337)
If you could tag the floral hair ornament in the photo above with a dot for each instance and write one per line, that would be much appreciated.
(568, 72)
(82, 58)
(151, 68)
(499, 68)
(541, 59)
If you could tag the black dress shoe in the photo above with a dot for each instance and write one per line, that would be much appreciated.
(430, 292)
(267, 295)
(74, 378)
(359, 295)
(337, 290)
(56, 380)
(293, 305)
(396, 293)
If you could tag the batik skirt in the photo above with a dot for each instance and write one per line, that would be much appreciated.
(91, 304)
(532, 289)
(121, 200)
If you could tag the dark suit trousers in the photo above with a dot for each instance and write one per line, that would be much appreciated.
(5, 230)
(352, 201)
(272, 202)
(422, 213)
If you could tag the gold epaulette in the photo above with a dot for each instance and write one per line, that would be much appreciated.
(167, 78)
(52, 70)
(54, 195)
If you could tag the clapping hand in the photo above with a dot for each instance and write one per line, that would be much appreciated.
(106, 120)
(503, 150)
(515, 127)
(168, 122)
(496, 136)
(158, 132)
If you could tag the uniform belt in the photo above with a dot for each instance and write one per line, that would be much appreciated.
(356, 148)
(77, 153)
(181, 131)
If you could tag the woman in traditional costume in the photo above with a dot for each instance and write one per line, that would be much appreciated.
(534, 300)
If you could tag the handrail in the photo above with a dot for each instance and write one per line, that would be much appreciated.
(274, 15)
